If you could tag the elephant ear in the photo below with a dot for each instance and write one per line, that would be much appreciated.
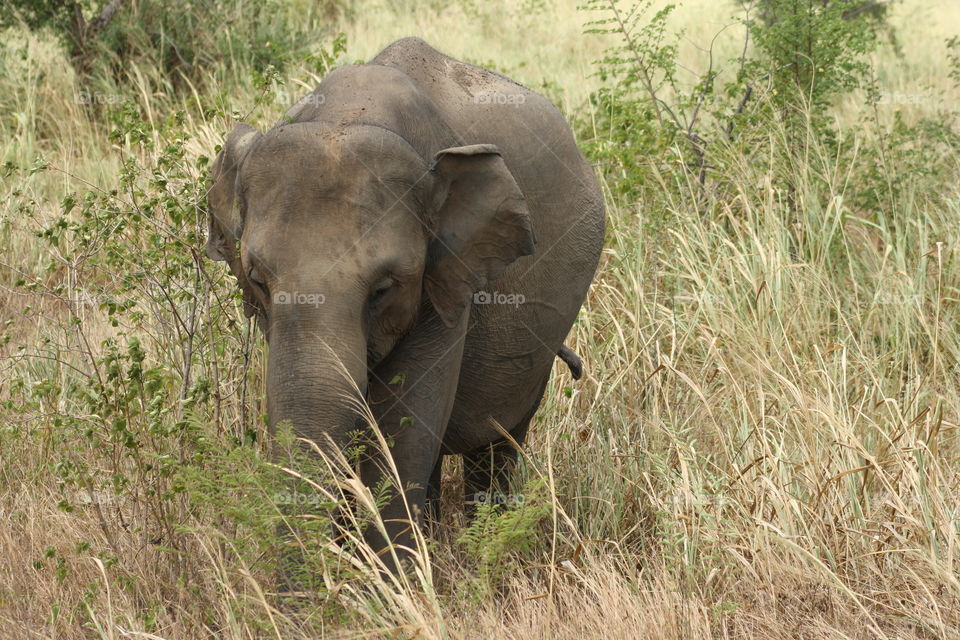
(482, 225)
(225, 224)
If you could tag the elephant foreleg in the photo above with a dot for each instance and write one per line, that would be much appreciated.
(411, 396)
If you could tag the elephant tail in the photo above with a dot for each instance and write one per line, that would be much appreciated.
(573, 361)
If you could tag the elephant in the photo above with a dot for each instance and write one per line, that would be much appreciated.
(417, 234)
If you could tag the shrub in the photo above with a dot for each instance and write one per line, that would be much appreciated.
(811, 52)
(226, 38)
(658, 140)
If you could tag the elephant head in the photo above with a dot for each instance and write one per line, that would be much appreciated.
(343, 240)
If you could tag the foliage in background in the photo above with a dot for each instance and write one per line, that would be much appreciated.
(229, 38)
(633, 129)
(498, 538)
(799, 57)
(809, 53)
(75, 23)
(876, 10)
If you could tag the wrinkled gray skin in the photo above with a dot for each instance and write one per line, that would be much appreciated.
(396, 191)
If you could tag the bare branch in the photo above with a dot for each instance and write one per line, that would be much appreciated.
(97, 24)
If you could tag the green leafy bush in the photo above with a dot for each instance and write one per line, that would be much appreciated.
(811, 52)
(200, 37)
(657, 139)
(499, 536)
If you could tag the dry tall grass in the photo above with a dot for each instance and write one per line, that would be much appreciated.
(766, 448)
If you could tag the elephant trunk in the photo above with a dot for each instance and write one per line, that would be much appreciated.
(317, 379)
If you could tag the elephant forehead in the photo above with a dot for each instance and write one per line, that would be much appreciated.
(357, 206)
(338, 157)
(347, 232)
(326, 256)
(360, 176)
(334, 227)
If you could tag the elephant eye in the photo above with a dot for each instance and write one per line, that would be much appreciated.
(253, 276)
(381, 289)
